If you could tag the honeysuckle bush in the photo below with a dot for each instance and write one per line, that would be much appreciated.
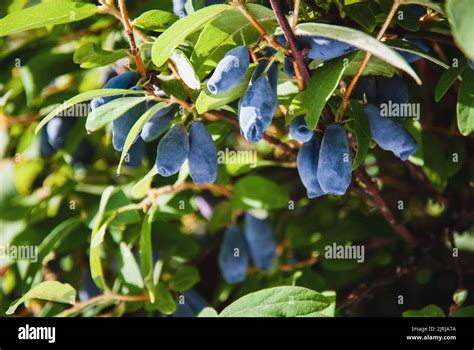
(236, 158)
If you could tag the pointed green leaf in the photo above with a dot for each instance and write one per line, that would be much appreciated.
(90, 55)
(362, 132)
(465, 106)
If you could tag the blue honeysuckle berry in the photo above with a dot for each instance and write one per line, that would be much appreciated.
(299, 130)
(470, 64)
(179, 8)
(260, 241)
(233, 257)
(307, 164)
(88, 289)
(288, 68)
(258, 105)
(122, 81)
(229, 71)
(411, 57)
(172, 151)
(389, 134)
(46, 150)
(323, 49)
(366, 86)
(83, 153)
(391, 89)
(190, 304)
(335, 161)
(202, 157)
(159, 123)
(123, 124)
(135, 154)
(57, 130)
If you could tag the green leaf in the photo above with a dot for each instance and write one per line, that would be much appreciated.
(465, 106)
(129, 270)
(363, 14)
(228, 30)
(185, 69)
(278, 302)
(146, 256)
(259, 193)
(108, 112)
(362, 132)
(362, 41)
(467, 311)
(97, 237)
(49, 243)
(90, 55)
(207, 101)
(375, 66)
(427, 311)
(164, 301)
(185, 278)
(49, 290)
(136, 129)
(447, 79)
(175, 35)
(86, 96)
(208, 312)
(45, 14)
(460, 14)
(320, 88)
(155, 20)
(141, 188)
(402, 45)
(407, 19)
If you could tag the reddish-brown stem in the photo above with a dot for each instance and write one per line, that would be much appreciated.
(131, 38)
(290, 38)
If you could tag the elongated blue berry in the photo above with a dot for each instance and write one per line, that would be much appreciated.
(258, 105)
(390, 134)
(230, 70)
(122, 81)
(135, 154)
(159, 123)
(202, 156)
(366, 86)
(391, 89)
(83, 153)
(335, 161)
(233, 256)
(260, 240)
(411, 57)
(324, 49)
(307, 164)
(122, 125)
(46, 150)
(172, 151)
(179, 8)
(299, 130)
(57, 130)
(470, 64)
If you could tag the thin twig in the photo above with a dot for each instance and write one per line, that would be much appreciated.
(350, 88)
(290, 38)
(371, 189)
(131, 38)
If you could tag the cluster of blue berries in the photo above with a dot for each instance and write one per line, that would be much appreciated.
(175, 147)
(257, 242)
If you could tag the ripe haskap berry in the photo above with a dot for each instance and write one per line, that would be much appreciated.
(46, 150)
(335, 161)
(122, 81)
(202, 156)
(135, 154)
(390, 134)
(391, 89)
(159, 123)
(257, 106)
(323, 49)
(179, 8)
(299, 130)
(470, 64)
(88, 289)
(172, 151)
(230, 70)
(411, 57)
(83, 153)
(191, 305)
(288, 68)
(233, 256)
(122, 125)
(366, 86)
(272, 73)
(57, 130)
(260, 240)
(307, 164)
